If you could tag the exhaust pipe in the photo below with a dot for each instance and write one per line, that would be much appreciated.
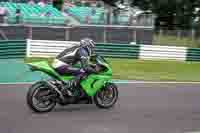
(53, 87)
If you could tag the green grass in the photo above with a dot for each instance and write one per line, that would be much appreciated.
(129, 69)
(156, 70)
(175, 41)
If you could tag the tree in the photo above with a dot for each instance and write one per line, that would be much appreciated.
(58, 4)
(171, 13)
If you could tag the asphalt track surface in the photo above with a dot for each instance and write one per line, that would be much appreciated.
(142, 108)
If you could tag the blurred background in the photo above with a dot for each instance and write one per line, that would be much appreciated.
(166, 22)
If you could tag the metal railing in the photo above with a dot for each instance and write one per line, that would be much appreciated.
(188, 38)
(100, 33)
(108, 18)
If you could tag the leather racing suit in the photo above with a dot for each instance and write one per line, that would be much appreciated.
(65, 61)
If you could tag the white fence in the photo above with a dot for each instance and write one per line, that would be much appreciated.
(162, 52)
(46, 48)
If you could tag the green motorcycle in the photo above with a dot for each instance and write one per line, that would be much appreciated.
(95, 88)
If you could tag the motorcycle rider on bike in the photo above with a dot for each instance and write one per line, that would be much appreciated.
(64, 62)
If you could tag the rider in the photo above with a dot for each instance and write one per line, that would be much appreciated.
(64, 62)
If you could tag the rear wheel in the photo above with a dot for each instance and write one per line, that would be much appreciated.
(39, 98)
(107, 97)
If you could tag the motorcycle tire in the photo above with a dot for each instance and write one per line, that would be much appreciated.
(101, 104)
(32, 92)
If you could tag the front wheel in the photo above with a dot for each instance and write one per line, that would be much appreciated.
(107, 97)
(39, 98)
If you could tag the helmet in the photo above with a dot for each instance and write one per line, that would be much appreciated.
(88, 44)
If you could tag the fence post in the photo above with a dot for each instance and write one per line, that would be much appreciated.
(160, 32)
(193, 34)
(3, 35)
(135, 35)
(104, 35)
(67, 34)
(30, 32)
(28, 43)
(179, 34)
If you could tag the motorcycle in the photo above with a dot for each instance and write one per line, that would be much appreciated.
(96, 88)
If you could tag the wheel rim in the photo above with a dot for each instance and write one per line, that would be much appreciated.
(107, 97)
(39, 103)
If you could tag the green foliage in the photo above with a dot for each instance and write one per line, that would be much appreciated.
(99, 5)
(78, 3)
(58, 4)
(87, 4)
(172, 13)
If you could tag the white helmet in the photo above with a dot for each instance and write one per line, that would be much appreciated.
(88, 44)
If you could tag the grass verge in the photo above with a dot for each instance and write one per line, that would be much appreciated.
(129, 69)
(175, 41)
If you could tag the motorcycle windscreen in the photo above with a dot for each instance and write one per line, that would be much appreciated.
(93, 83)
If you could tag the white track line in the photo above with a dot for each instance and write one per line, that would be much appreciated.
(16, 83)
(119, 82)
